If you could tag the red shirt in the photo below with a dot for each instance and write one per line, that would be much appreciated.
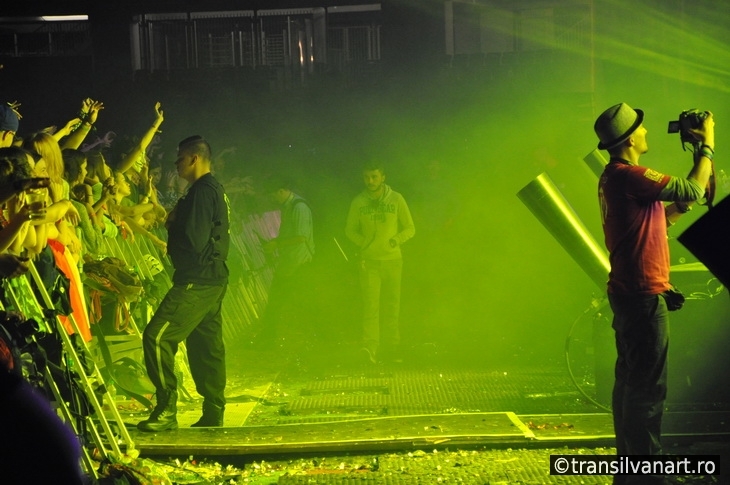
(635, 228)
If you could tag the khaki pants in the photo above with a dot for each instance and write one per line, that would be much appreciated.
(380, 283)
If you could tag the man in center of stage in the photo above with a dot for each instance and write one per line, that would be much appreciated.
(379, 222)
(198, 240)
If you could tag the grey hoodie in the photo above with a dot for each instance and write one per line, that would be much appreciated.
(372, 223)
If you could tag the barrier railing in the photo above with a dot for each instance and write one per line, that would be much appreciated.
(90, 365)
(76, 371)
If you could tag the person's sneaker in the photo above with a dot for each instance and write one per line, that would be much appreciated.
(391, 354)
(370, 354)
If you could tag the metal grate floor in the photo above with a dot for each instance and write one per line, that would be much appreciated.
(409, 392)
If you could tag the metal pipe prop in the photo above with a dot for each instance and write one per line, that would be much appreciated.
(547, 203)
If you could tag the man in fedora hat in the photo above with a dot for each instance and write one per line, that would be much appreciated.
(635, 222)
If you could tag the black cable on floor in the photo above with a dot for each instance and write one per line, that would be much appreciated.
(596, 305)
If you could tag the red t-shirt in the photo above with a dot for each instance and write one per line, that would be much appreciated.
(635, 228)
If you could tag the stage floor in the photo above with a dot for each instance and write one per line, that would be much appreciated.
(323, 414)
(463, 430)
(324, 399)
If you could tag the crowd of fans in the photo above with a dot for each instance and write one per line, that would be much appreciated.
(69, 196)
(68, 192)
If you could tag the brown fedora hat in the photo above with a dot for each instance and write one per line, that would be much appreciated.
(616, 124)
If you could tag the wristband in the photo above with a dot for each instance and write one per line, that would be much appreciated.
(703, 146)
(705, 152)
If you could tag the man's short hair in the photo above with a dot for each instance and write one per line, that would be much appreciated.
(372, 165)
(14, 165)
(155, 163)
(195, 145)
(277, 181)
(8, 119)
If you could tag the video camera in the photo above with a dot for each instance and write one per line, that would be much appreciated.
(689, 119)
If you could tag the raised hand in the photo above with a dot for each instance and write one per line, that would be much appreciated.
(706, 132)
(94, 109)
(69, 128)
(72, 215)
(14, 105)
(159, 113)
(85, 108)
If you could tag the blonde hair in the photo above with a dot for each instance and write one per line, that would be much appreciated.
(47, 147)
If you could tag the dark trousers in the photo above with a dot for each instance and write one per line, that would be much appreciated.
(642, 342)
(190, 313)
(288, 308)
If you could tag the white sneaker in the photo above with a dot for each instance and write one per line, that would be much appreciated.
(370, 355)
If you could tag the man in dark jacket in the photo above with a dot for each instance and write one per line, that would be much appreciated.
(198, 240)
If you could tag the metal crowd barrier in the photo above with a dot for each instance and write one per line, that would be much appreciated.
(245, 300)
(251, 276)
(248, 289)
(251, 272)
(77, 372)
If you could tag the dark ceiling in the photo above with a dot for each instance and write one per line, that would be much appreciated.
(35, 7)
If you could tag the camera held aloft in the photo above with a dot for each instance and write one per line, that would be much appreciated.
(689, 119)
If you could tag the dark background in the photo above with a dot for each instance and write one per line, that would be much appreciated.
(482, 276)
